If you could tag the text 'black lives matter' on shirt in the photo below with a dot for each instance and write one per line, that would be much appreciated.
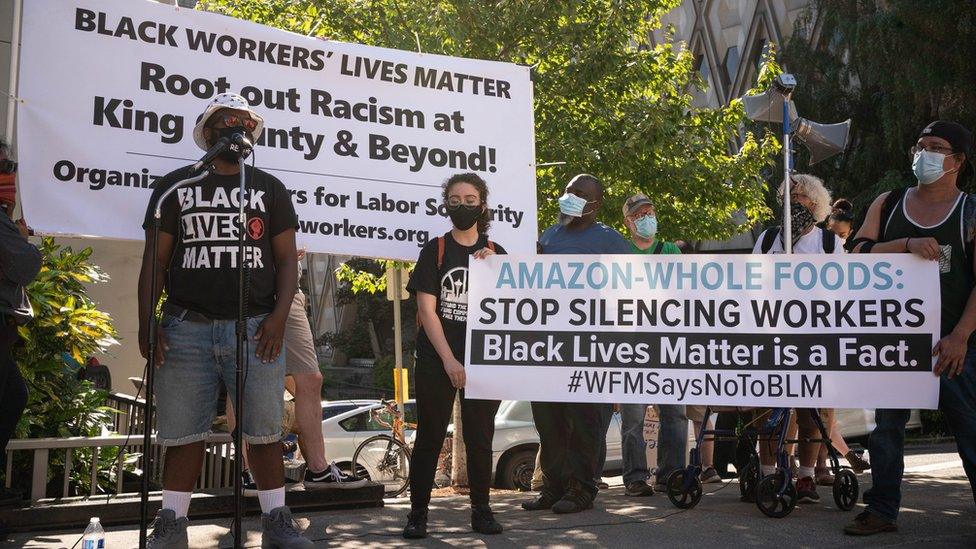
(202, 275)
(449, 285)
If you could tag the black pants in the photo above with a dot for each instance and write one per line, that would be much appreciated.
(571, 440)
(435, 402)
(13, 390)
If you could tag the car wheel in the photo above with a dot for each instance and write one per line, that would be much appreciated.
(517, 474)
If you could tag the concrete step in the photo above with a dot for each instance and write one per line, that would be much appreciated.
(75, 512)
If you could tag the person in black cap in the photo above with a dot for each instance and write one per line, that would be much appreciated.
(925, 220)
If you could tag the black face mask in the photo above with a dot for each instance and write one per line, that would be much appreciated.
(227, 154)
(463, 217)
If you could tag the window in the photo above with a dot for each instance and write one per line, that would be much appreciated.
(336, 409)
(701, 65)
(731, 64)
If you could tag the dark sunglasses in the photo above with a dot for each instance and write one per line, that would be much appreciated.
(8, 166)
(233, 121)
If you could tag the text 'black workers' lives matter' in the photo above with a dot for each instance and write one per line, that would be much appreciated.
(124, 113)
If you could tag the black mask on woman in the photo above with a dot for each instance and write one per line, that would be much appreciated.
(800, 220)
(463, 217)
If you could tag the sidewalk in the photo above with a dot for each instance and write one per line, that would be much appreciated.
(938, 511)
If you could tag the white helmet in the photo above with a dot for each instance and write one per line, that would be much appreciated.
(225, 101)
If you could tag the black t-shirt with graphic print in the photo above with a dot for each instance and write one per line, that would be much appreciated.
(449, 285)
(202, 274)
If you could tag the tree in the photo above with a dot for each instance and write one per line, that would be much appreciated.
(892, 67)
(606, 102)
(67, 329)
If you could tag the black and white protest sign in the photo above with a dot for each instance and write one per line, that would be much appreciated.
(362, 136)
(744, 330)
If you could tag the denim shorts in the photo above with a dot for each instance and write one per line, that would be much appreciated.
(201, 357)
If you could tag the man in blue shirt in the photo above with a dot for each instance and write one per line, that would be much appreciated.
(571, 435)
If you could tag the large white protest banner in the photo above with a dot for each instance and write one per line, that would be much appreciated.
(362, 136)
(744, 330)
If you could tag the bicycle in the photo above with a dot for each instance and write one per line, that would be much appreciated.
(385, 458)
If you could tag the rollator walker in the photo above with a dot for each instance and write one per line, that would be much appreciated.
(774, 494)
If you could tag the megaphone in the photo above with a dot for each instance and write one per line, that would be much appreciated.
(767, 107)
(823, 140)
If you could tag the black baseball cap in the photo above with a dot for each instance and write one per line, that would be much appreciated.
(959, 138)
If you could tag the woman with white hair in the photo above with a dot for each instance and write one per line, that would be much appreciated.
(810, 203)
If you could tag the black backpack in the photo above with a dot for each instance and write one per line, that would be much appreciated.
(829, 240)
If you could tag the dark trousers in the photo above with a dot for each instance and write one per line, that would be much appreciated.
(601, 461)
(435, 403)
(957, 400)
(571, 440)
(13, 390)
(725, 450)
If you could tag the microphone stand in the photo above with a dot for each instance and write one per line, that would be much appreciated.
(241, 333)
(148, 383)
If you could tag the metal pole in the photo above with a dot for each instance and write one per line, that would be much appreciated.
(787, 237)
(242, 359)
(148, 383)
(397, 338)
(14, 62)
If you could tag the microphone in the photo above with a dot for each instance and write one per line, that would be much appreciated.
(220, 146)
(242, 140)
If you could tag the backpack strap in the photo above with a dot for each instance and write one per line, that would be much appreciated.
(768, 238)
(658, 247)
(829, 240)
(441, 242)
(888, 207)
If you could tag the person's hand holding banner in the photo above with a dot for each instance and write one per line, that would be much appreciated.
(951, 351)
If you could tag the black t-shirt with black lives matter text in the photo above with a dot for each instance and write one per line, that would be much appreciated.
(202, 274)
(450, 286)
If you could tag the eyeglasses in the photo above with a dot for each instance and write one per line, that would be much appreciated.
(469, 201)
(932, 148)
(8, 166)
(233, 121)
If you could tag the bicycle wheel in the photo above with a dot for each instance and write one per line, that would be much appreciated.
(384, 460)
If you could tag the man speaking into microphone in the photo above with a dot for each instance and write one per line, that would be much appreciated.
(197, 263)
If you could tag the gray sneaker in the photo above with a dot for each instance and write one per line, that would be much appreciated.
(168, 532)
(279, 531)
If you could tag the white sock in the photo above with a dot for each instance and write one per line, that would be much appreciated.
(804, 472)
(767, 469)
(179, 502)
(271, 499)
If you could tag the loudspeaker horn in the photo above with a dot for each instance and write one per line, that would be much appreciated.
(767, 107)
(823, 140)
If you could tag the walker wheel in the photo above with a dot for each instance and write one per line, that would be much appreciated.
(769, 499)
(676, 490)
(748, 479)
(845, 489)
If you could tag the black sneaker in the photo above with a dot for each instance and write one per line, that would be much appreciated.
(639, 488)
(416, 527)
(483, 521)
(573, 502)
(544, 502)
(250, 487)
(332, 477)
(806, 491)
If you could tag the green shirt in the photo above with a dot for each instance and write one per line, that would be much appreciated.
(669, 248)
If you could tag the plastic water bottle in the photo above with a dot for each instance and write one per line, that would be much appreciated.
(94, 537)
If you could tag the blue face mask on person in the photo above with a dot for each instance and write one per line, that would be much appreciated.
(646, 226)
(928, 166)
(572, 205)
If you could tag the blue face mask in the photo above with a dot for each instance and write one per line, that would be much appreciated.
(572, 205)
(646, 226)
(928, 166)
